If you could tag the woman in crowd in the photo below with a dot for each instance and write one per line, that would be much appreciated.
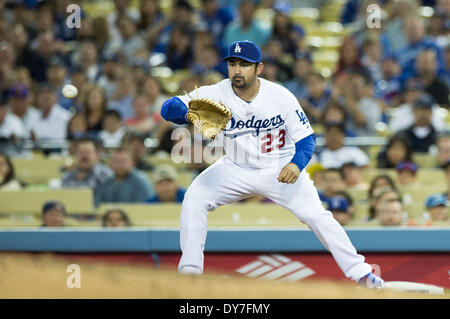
(94, 108)
(8, 181)
(397, 150)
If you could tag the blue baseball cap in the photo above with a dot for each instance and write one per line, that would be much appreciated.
(337, 203)
(245, 50)
(435, 200)
(409, 166)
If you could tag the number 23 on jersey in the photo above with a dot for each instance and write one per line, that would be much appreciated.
(268, 141)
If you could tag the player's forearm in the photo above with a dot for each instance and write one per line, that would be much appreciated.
(174, 110)
(304, 150)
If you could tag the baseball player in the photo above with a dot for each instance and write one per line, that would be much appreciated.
(268, 142)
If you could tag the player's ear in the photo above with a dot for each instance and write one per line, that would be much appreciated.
(259, 68)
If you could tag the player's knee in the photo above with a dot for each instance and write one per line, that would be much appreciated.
(195, 198)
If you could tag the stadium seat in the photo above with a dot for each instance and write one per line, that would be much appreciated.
(167, 215)
(77, 201)
(38, 170)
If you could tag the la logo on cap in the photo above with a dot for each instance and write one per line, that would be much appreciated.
(237, 48)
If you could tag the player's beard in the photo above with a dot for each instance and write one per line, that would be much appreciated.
(242, 83)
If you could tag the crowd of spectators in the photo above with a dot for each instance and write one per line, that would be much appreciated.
(397, 74)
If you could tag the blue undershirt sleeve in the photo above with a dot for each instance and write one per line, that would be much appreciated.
(304, 150)
(174, 110)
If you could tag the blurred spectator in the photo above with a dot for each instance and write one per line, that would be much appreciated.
(208, 60)
(406, 174)
(372, 53)
(8, 181)
(317, 96)
(340, 208)
(110, 65)
(426, 68)
(179, 52)
(115, 217)
(166, 186)
(436, 209)
(397, 150)
(80, 81)
(135, 144)
(127, 41)
(152, 88)
(20, 40)
(53, 119)
(271, 70)
(246, 27)
(390, 214)
(53, 214)
(285, 30)
(122, 101)
(334, 153)
(379, 184)
(11, 126)
(422, 134)
(316, 172)
(273, 51)
(302, 69)
(150, 15)
(334, 112)
(214, 18)
(88, 171)
(121, 8)
(443, 149)
(87, 60)
(348, 60)
(402, 117)
(56, 76)
(113, 129)
(333, 182)
(417, 41)
(438, 27)
(389, 87)
(128, 185)
(353, 176)
(142, 122)
(362, 107)
(181, 18)
(94, 107)
(394, 27)
(77, 127)
(46, 47)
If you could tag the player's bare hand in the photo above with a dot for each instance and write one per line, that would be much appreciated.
(289, 174)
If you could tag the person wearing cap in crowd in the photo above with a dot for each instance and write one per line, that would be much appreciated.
(406, 173)
(53, 118)
(436, 210)
(339, 206)
(246, 27)
(20, 106)
(334, 153)
(53, 214)
(422, 133)
(403, 116)
(166, 186)
(353, 177)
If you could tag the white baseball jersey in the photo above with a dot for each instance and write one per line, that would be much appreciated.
(261, 132)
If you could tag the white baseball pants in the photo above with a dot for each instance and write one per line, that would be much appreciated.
(224, 182)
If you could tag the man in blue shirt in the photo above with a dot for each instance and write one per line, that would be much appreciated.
(166, 187)
(246, 27)
(415, 31)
